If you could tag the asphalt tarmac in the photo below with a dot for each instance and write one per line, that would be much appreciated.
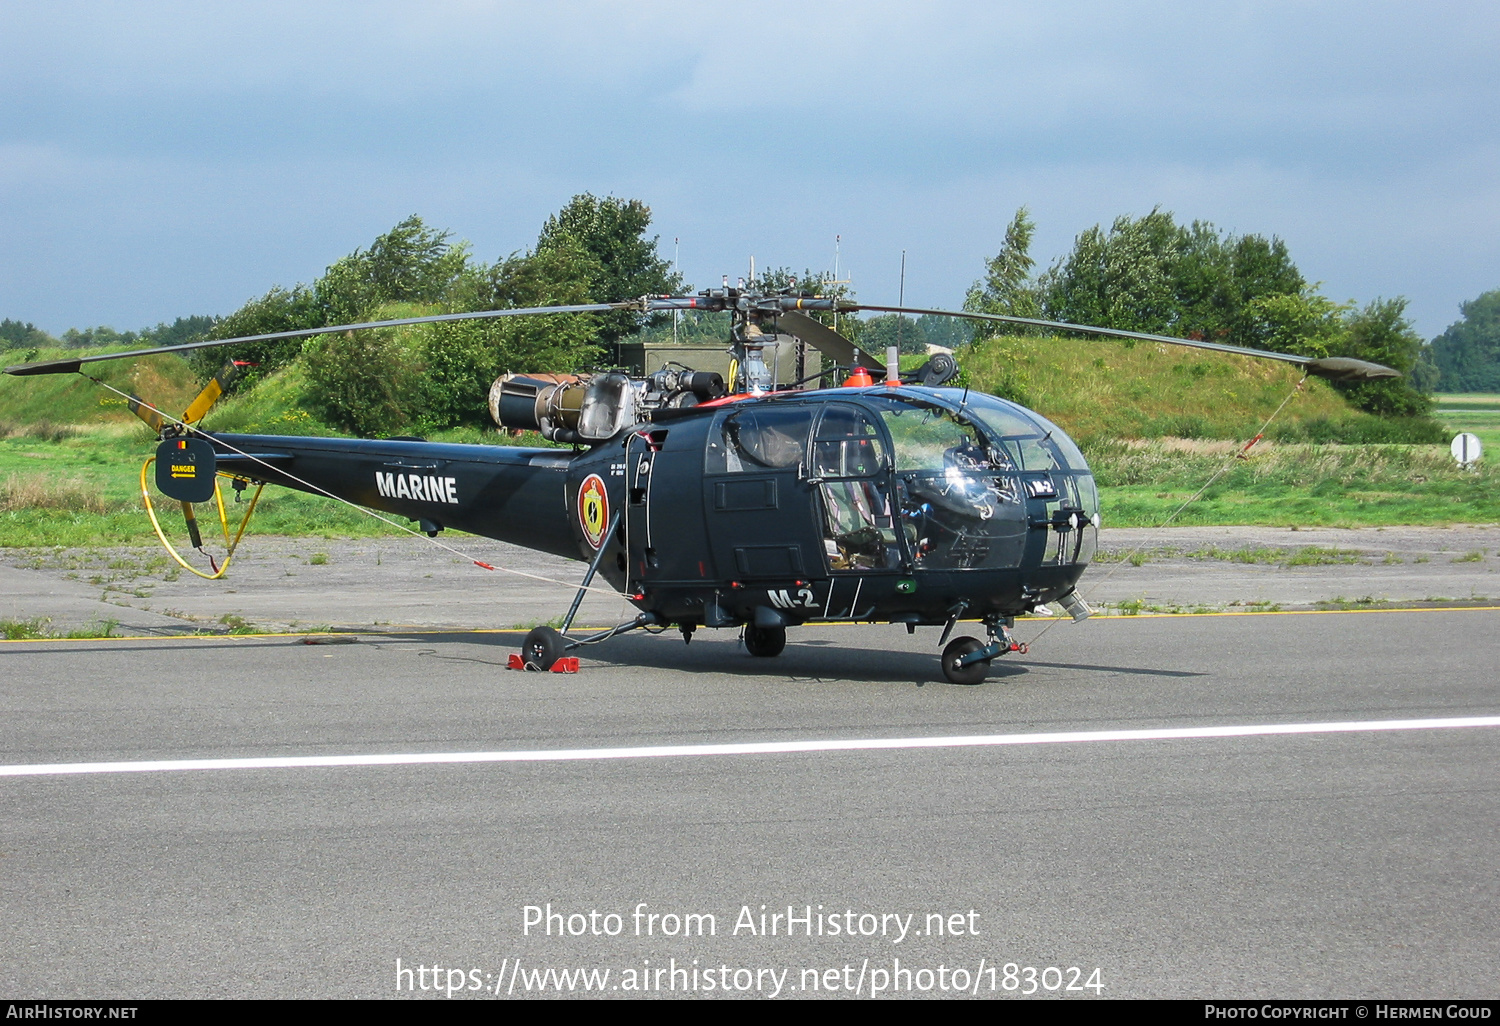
(302, 584)
(1350, 861)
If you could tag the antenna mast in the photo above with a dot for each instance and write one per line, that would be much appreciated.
(901, 300)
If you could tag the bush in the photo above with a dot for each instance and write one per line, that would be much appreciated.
(1363, 431)
(373, 383)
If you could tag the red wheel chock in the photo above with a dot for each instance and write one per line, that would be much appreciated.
(566, 664)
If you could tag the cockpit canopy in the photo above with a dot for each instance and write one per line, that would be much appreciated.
(949, 479)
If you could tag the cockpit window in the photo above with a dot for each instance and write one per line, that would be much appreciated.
(1071, 454)
(1031, 453)
(759, 438)
(1004, 421)
(931, 438)
(1028, 432)
(848, 444)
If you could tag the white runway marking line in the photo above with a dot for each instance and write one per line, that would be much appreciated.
(749, 748)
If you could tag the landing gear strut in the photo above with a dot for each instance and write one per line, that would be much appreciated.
(544, 647)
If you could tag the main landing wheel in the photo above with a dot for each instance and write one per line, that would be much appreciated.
(543, 647)
(974, 673)
(764, 641)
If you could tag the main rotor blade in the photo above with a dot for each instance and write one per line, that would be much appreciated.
(71, 365)
(826, 340)
(1340, 368)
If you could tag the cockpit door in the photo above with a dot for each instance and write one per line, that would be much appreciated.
(757, 502)
(850, 463)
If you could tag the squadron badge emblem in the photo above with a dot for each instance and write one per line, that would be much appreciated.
(593, 510)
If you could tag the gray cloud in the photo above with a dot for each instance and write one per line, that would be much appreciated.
(159, 159)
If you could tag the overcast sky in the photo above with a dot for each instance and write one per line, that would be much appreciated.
(162, 159)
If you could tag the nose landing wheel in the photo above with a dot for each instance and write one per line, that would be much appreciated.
(953, 667)
(967, 660)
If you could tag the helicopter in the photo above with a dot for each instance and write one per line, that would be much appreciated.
(708, 503)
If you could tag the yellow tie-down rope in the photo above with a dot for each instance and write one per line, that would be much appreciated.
(187, 508)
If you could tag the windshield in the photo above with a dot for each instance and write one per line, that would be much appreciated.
(971, 483)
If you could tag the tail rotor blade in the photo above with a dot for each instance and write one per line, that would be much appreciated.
(153, 417)
(215, 388)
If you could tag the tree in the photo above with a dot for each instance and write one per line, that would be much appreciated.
(278, 310)
(1306, 323)
(1382, 334)
(464, 357)
(1467, 354)
(879, 333)
(98, 338)
(1006, 287)
(627, 265)
(1217, 278)
(373, 383)
(1119, 280)
(411, 263)
(24, 335)
(948, 332)
(1150, 274)
(183, 329)
(433, 376)
(1425, 375)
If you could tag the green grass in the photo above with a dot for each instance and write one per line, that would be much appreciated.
(84, 490)
(1476, 412)
(1137, 607)
(1292, 485)
(26, 630)
(1312, 555)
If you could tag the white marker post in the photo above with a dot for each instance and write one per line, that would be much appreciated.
(1466, 449)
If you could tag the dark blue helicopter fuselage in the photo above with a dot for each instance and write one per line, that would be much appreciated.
(902, 504)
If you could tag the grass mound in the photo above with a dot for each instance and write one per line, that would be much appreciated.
(1108, 388)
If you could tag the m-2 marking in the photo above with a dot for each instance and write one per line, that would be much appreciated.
(783, 598)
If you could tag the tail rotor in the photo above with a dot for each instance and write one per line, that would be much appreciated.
(187, 471)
